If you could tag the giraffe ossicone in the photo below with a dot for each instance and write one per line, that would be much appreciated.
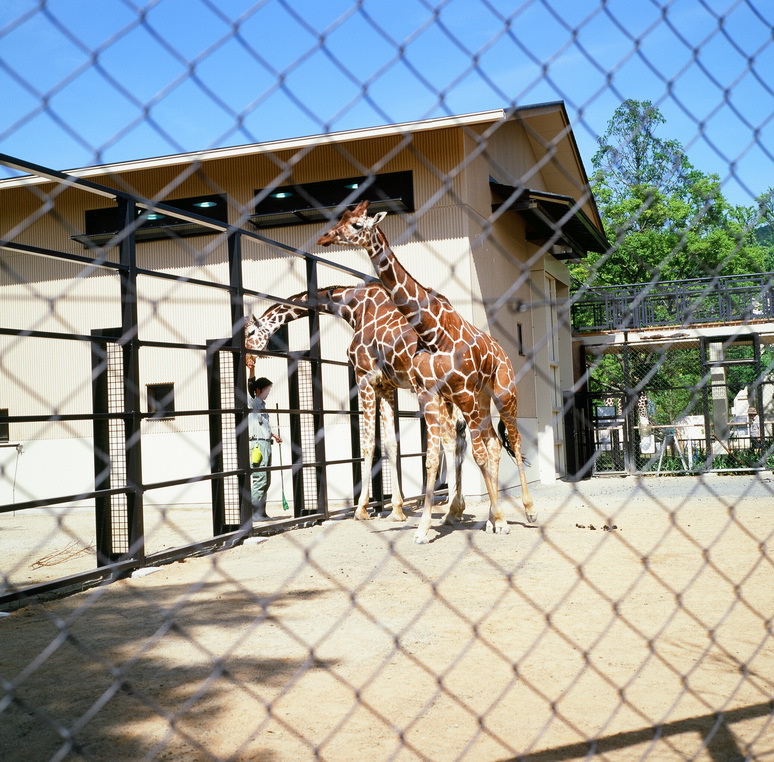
(455, 360)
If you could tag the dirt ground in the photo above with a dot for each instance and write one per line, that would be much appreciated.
(633, 622)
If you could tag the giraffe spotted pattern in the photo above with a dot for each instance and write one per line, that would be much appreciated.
(455, 361)
(381, 352)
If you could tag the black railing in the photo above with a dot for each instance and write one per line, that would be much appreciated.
(733, 298)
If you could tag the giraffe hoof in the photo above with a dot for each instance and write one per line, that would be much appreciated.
(420, 538)
(396, 516)
(500, 527)
(362, 516)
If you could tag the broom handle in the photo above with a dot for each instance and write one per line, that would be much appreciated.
(280, 445)
(285, 505)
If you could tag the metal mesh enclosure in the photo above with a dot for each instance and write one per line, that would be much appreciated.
(364, 211)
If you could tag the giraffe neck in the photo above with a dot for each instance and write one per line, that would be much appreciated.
(421, 307)
(275, 317)
(334, 301)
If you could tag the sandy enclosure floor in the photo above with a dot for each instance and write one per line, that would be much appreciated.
(619, 628)
(45, 544)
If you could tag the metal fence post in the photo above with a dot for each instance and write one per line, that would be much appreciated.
(240, 376)
(318, 415)
(130, 343)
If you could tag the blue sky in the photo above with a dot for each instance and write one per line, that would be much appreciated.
(93, 81)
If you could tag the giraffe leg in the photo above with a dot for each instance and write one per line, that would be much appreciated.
(486, 452)
(496, 522)
(507, 405)
(431, 414)
(486, 455)
(454, 445)
(515, 438)
(368, 443)
(391, 445)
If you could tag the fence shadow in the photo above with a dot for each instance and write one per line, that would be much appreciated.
(714, 730)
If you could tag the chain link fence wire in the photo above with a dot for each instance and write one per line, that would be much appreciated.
(145, 614)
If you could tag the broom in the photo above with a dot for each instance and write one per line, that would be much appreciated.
(285, 506)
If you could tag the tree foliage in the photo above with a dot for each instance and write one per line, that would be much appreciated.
(666, 220)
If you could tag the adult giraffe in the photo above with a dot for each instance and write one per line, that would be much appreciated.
(381, 352)
(455, 359)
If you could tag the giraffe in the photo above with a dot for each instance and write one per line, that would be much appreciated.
(466, 366)
(381, 349)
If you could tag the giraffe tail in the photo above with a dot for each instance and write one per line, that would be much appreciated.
(461, 430)
(502, 432)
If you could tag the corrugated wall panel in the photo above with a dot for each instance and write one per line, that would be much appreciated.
(181, 312)
(200, 257)
(41, 377)
(49, 295)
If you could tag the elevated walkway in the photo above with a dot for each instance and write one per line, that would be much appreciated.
(647, 309)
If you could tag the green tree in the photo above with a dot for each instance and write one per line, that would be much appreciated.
(764, 233)
(666, 219)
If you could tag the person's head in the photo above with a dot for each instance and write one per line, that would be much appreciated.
(259, 387)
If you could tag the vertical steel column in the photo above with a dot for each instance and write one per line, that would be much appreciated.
(317, 393)
(629, 406)
(215, 419)
(240, 376)
(399, 475)
(354, 434)
(127, 214)
(377, 466)
(296, 448)
(758, 392)
(101, 430)
(706, 392)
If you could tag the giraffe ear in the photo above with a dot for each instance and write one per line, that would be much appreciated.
(377, 218)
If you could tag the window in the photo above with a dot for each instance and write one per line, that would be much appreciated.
(101, 225)
(161, 401)
(520, 339)
(5, 433)
(319, 202)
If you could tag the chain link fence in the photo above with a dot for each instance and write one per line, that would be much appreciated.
(146, 613)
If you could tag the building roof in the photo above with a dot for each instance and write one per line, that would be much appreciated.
(548, 129)
(272, 146)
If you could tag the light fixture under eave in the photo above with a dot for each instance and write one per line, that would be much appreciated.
(206, 204)
(352, 186)
(281, 194)
(320, 213)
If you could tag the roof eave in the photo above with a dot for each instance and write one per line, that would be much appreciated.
(273, 146)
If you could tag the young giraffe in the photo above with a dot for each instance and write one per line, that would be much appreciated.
(380, 352)
(456, 360)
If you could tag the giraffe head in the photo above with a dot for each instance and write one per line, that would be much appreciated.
(257, 335)
(353, 229)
